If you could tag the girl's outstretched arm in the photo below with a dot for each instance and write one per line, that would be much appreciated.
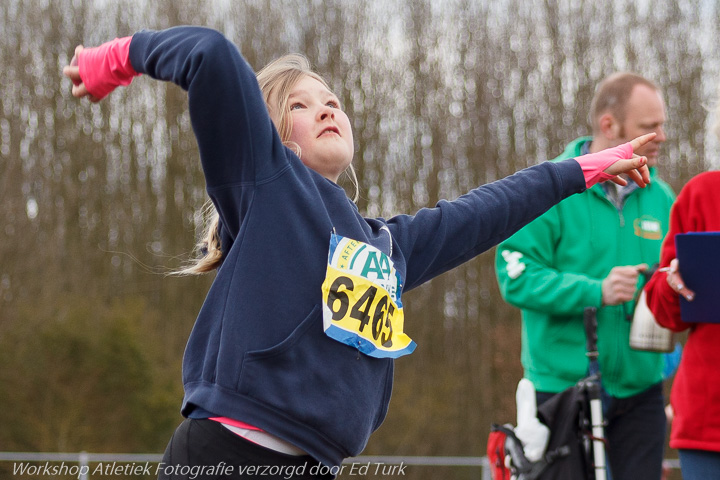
(489, 214)
(233, 128)
(239, 146)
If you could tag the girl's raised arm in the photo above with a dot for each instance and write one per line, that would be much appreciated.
(233, 128)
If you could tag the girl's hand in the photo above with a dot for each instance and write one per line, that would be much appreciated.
(676, 282)
(609, 163)
(635, 167)
(72, 71)
(97, 71)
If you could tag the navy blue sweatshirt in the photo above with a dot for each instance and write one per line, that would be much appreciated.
(258, 352)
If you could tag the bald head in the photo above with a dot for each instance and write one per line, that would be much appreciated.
(613, 93)
(624, 107)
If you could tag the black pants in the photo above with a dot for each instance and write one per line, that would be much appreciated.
(205, 450)
(635, 433)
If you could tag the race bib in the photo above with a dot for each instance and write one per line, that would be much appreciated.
(361, 300)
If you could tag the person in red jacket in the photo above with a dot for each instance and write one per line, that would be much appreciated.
(695, 396)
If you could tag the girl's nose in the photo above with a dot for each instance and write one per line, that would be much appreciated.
(326, 112)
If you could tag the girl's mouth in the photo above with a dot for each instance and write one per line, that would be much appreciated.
(330, 130)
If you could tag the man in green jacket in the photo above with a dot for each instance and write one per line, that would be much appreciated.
(589, 251)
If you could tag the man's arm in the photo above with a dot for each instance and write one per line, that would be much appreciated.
(528, 279)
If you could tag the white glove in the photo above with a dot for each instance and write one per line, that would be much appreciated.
(533, 434)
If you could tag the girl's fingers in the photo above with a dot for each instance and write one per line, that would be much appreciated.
(644, 171)
(674, 279)
(641, 174)
(635, 168)
(641, 140)
(72, 71)
(619, 180)
(80, 91)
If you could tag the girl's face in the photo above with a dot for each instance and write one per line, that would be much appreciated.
(320, 128)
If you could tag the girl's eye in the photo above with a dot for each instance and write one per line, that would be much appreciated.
(296, 106)
(333, 104)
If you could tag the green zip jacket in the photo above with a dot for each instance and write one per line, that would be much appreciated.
(554, 267)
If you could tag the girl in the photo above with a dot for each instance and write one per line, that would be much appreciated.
(290, 363)
(695, 395)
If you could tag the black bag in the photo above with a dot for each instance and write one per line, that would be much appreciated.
(568, 453)
(567, 416)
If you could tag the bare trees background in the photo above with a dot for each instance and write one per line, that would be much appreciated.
(97, 201)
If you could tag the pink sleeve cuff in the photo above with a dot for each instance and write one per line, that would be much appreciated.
(106, 67)
(594, 164)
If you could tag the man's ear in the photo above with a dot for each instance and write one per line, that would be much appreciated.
(609, 127)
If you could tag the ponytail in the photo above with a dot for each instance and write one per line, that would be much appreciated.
(208, 250)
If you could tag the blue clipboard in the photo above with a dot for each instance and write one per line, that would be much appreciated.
(699, 257)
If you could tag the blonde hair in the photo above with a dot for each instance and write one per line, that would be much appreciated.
(276, 81)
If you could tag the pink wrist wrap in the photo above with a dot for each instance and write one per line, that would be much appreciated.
(106, 67)
(593, 164)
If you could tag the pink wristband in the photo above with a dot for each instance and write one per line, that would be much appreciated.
(593, 164)
(106, 67)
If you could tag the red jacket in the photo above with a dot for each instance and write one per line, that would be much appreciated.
(695, 395)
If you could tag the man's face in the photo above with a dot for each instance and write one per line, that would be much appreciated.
(645, 113)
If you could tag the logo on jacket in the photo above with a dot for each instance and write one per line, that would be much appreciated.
(648, 227)
(514, 266)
